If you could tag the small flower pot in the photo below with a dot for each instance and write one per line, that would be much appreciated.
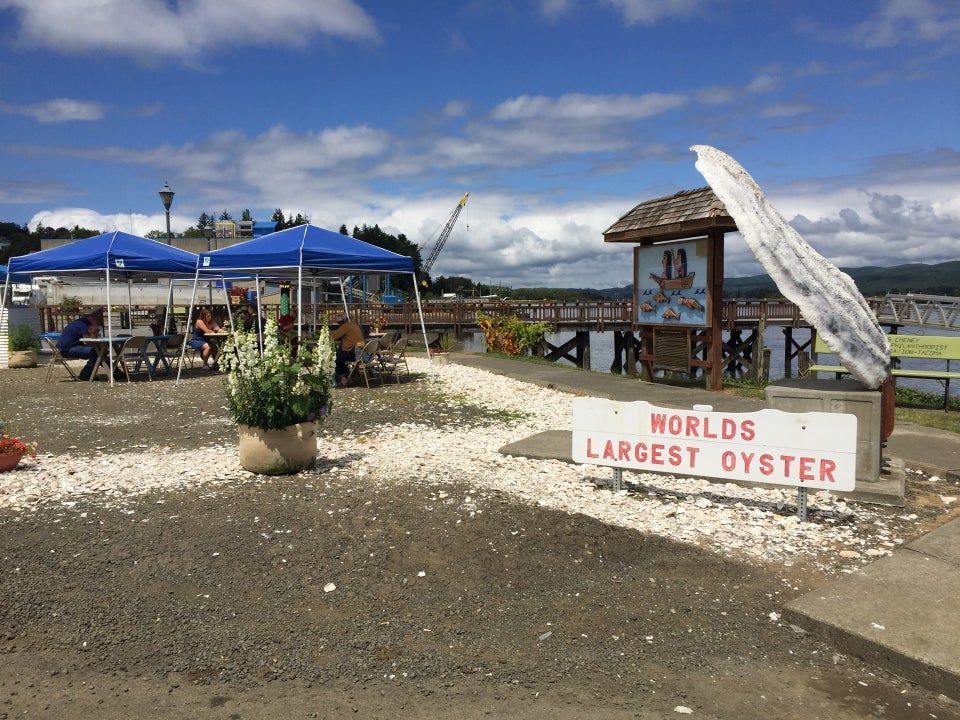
(8, 461)
(278, 452)
(22, 359)
(440, 358)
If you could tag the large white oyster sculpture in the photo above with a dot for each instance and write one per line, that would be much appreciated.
(828, 298)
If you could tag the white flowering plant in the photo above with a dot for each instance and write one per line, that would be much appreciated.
(274, 389)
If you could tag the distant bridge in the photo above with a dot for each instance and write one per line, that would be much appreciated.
(939, 311)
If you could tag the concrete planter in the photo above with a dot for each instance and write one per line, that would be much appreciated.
(837, 396)
(22, 359)
(440, 358)
(278, 452)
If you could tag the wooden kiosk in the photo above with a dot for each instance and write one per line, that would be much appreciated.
(678, 280)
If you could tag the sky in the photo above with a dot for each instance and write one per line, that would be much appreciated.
(557, 116)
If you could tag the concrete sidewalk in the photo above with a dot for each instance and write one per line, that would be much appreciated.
(900, 612)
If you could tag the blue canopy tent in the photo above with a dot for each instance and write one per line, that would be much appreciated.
(112, 252)
(13, 278)
(287, 253)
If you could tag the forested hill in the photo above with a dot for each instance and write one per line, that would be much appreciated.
(938, 279)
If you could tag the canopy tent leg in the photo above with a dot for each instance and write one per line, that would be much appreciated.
(423, 327)
(186, 330)
(343, 296)
(226, 295)
(109, 327)
(259, 314)
(3, 302)
(169, 316)
(130, 302)
(300, 300)
(313, 294)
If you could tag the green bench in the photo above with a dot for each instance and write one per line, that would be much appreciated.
(927, 347)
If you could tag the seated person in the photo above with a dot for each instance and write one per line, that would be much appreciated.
(208, 350)
(350, 337)
(70, 346)
(252, 322)
(287, 324)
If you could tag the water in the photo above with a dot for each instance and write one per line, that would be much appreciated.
(601, 354)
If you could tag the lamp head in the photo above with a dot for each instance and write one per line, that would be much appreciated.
(166, 196)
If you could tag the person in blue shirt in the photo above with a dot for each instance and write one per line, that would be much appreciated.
(69, 343)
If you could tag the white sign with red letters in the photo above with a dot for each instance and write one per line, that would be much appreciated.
(813, 450)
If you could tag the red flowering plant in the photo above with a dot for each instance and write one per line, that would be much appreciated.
(10, 445)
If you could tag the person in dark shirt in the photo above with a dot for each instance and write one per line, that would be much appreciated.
(69, 343)
(251, 321)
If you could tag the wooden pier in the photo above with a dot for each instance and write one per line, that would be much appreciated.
(638, 349)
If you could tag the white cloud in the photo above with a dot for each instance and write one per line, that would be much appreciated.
(899, 207)
(899, 22)
(786, 109)
(716, 95)
(15, 191)
(763, 83)
(134, 223)
(634, 12)
(455, 109)
(58, 110)
(578, 106)
(143, 28)
(552, 9)
(647, 12)
(528, 240)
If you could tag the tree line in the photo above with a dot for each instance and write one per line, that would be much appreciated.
(18, 239)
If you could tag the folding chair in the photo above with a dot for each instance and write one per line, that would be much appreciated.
(134, 349)
(390, 361)
(51, 340)
(174, 347)
(387, 341)
(366, 362)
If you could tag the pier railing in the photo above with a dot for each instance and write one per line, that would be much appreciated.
(462, 316)
(934, 311)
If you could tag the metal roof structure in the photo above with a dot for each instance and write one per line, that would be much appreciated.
(686, 214)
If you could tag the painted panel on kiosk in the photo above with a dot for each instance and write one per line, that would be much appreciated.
(672, 284)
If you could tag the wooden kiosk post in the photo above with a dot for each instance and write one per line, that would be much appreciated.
(715, 265)
(689, 304)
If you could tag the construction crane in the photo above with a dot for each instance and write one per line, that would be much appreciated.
(444, 234)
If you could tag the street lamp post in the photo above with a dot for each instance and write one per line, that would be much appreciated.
(209, 234)
(166, 197)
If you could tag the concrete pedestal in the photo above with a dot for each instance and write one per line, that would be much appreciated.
(837, 396)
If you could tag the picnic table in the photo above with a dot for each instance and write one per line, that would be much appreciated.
(102, 346)
(159, 354)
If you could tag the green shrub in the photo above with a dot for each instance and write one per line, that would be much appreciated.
(70, 304)
(23, 338)
(509, 334)
(909, 397)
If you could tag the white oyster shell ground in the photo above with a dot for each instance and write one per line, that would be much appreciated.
(828, 298)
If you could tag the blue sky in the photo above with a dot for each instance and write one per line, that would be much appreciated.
(556, 115)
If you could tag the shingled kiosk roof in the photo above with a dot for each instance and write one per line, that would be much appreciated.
(686, 214)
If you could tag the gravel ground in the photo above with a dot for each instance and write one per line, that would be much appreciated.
(414, 571)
